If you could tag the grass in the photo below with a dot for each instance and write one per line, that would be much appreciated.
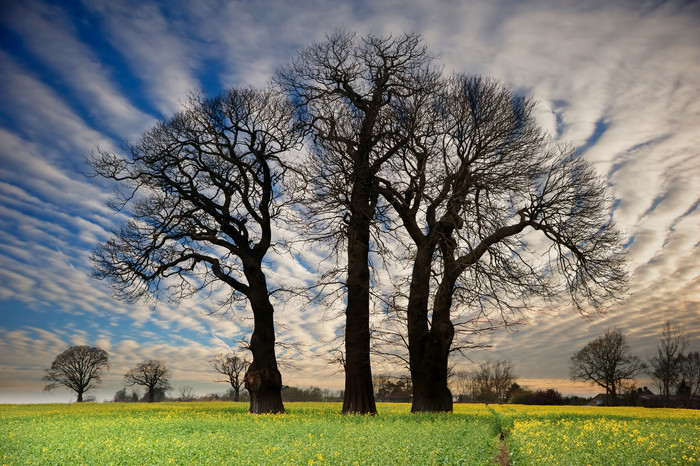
(315, 433)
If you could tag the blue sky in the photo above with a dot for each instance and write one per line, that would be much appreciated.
(620, 80)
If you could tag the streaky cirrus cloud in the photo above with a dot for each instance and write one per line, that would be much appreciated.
(619, 80)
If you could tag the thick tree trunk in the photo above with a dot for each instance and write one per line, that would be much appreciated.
(418, 331)
(430, 390)
(265, 388)
(263, 379)
(429, 361)
(80, 396)
(359, 392)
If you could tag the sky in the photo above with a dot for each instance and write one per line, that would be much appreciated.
(618, 79)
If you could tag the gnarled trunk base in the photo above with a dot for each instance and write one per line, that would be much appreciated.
(429, 373)
(265, 388)
(431, 396)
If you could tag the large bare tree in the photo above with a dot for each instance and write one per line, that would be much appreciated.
(606, 361)
(350, 93)
(203, 189)
(478, 177)
(79, 368)
(153, 375)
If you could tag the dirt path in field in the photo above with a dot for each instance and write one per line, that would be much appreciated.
(503, 458)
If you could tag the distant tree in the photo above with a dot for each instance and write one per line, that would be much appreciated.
(153, 376)
(79, 368)
(665, 367)
(186, 393)
(314, 394)
(121, 396)
(549, 396)
(514, 387)
(460, 384)
(690, 375)
(520, 395)
(202, 190)
(607, 362)
(492, 380)
(390, 388)
(233, 367)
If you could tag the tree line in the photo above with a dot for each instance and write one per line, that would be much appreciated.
(81, 368)
(366, 146)
(606, 361)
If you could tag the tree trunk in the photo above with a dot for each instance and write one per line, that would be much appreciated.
(262, 380)
(430, 390)
(429, 371)
(359, 392)
(265, 388)
(418, 331)
(80, 396)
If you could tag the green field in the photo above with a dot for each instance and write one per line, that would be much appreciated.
(315, 433)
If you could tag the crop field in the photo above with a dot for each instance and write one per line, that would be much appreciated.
(316, 433)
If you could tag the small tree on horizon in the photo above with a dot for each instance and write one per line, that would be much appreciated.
(79, 368)
(666, 367)
(607, 362)
(152, 375)
(233, 367)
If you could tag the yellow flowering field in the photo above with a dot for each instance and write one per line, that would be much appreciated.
(224, 433)
(316, 433)
(601, 436)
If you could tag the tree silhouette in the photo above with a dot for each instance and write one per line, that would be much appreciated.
(204, 188)
(607, 362)
(666, 367)
(79, 368)
(153, 375)
(349, 92)
(233, 367)
(478, 176)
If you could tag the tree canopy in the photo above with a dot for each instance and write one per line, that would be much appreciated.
(606, 361)
(79, 368)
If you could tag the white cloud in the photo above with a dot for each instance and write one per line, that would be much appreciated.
(153, 48)
(52, 38)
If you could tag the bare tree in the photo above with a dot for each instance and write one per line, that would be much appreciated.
(460, 385)
(152, 375)
(606, 361)
(478, 176)
(186, 393)
(204, 188)
(79, 368)
(666, 367)
(233, 367)
(690, 376)
(492, 380)
(350, 93)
